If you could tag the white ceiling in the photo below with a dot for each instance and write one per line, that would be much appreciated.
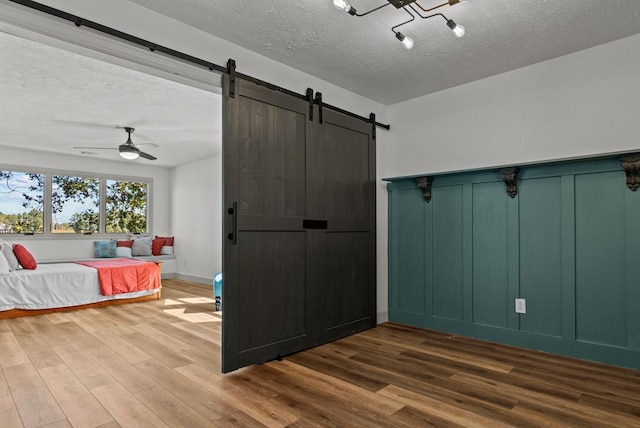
(53, 100)
(362, 54)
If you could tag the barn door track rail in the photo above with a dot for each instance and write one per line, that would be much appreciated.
(229, 69)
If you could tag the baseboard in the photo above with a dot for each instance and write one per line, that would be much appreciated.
(382, 317)
(168, 275)
(207, 281)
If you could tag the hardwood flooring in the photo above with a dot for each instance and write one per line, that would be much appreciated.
(157, 364)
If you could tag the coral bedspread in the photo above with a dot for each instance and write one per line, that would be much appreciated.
(125, 275)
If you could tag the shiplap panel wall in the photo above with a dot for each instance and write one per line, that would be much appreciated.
(568, 243)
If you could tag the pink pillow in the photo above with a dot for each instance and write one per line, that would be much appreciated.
(24, 257)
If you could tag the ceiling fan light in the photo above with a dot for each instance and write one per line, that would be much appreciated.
(129, 155)
(458, 30)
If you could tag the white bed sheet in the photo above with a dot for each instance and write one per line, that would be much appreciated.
(54, 285)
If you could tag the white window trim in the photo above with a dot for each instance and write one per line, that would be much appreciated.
(47, 215)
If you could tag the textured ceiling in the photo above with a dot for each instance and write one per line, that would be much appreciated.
(53, 100)
(361, 53)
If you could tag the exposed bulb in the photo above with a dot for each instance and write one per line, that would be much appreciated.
(407, 42)
(458, 30)
(341, 5)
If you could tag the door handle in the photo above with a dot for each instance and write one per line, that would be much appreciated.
(314, 224)
(233, 236)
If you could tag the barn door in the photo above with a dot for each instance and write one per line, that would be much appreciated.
(343, 179)
(265, 298)
(297, 231)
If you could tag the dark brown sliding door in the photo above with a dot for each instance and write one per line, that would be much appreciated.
(342, 191)
(299, 228)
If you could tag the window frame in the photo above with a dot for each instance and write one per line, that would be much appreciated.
(47, 203)
(22, 170)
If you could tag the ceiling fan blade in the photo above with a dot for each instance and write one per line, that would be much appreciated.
(95, 148)
(85, 124)
(147, 156)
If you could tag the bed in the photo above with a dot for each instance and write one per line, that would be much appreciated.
(62, 287)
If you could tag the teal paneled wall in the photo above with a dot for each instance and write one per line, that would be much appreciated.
(446, 231)
(410, 271)
(540, 230)
(600, 258)
(490, 281)
(568, 243)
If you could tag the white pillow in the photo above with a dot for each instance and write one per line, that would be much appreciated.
(123, 252)
(141, 246)
(166, 250)
(7, 250)
(5, 269)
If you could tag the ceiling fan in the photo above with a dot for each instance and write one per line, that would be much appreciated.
(127, 150)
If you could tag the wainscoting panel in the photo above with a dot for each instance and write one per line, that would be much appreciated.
(411, 269)
(490, 282)
(568, 243)
(447, 259)
(540, 234)
(600, 258)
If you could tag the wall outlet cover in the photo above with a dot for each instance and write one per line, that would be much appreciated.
(521, 306)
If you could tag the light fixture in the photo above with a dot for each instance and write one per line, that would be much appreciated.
(407, 42)
(407, 6)
(458, 30)
(343, 5)
(129, 155)
(128, 150)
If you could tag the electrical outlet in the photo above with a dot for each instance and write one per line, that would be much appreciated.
(521, 306)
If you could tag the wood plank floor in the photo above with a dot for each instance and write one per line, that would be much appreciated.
(157, 364)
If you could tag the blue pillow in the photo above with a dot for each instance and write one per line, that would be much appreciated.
(104, 249)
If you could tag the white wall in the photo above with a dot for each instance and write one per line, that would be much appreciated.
(77, 247)
(581, 104)
(196, 218)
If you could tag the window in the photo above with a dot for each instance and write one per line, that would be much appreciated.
(75, 204)
(57, 204)
(126, 207)
(21, 202)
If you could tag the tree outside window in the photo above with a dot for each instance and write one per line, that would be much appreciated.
(75, 204)
(126, 207)
(21, 198)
